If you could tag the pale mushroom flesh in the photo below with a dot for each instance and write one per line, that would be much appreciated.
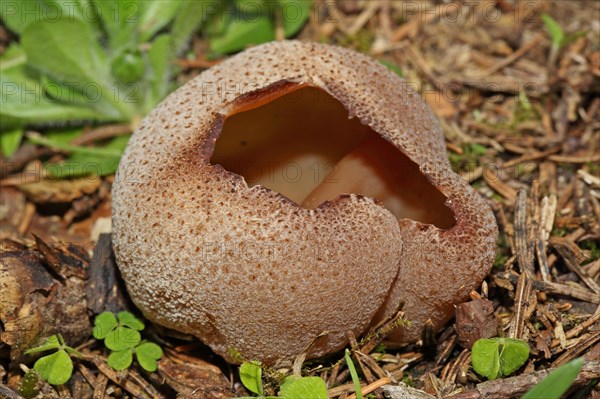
(302, 143)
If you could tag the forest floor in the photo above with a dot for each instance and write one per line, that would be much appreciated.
(521, 117)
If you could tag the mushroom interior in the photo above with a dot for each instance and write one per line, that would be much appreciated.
(302, 143)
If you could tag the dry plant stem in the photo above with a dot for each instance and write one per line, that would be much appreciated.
(574, 159)
(102, 133)
(555, 288)
(515, 387)
(522, 303)
(354, 346)
(100, 387)
(506, 191)
(128, 385)
(584, 343)
(514, 56)
(530, 157)
(87, 374)
(523, 244)
(566, 250)
(364, 17)
(371, 364)
(372, 387)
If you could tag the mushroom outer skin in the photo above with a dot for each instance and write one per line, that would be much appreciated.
(250, 272)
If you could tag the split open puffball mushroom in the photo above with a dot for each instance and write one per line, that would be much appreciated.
(290, 194)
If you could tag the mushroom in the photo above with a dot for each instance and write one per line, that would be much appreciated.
(290, 194)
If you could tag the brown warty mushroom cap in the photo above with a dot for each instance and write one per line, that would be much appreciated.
(290, 194)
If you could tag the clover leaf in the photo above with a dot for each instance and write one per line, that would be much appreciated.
(103, 324)
(129, 320)
(251, 376)
(119, 333)
(57, 367)
(120, 360)
(147, 354)
(498, 357)
(295, 387)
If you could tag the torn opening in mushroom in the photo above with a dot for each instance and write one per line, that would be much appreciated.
(301, 143)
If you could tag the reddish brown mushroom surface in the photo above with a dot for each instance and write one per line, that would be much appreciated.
(290, 194)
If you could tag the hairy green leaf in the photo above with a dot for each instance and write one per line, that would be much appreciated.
(10, 141)
(294, 15)
(77, 60)
(242, 31)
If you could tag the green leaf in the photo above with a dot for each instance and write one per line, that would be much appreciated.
(13, 57)
(10, 141)
(18, 15)
(557, 34)
(74, 149)
(190, 17)
(25, 102)
(251, 376)
(303, 387)
(557, 382)
(478, 149)
(76, 55)
(76, 164)
(120, 360)
(243, 31)
(122, 338)
(55, 368)
(393, 67)
(78, 60)
(485, 359)
(353, 374)
(155, 15)
(52, 342)
(81, 165)
(294, 15)
(160, 70)
(147, 354)
(120, 19)
(498, 357)
(104, 323)
(128, 67)
(129, 320)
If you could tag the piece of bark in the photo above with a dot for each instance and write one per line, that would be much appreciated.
(475, 320)
(105, 290)
(7, 393)
(35, 303)
(194, 378)
(12, 212)
(64, 260)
